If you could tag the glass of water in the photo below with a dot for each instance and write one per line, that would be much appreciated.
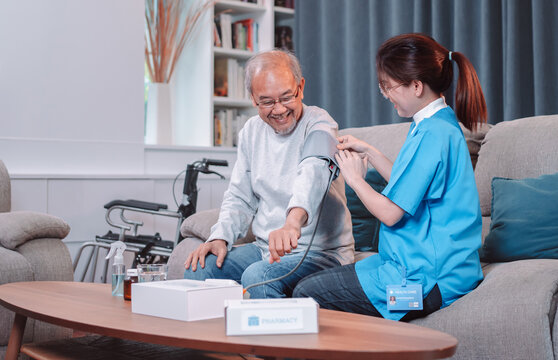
(152, 272)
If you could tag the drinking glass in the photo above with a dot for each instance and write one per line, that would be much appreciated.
(152, 272)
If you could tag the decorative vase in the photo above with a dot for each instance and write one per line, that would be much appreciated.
(158, 123)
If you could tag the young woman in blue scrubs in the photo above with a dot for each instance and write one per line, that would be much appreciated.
(430, 212)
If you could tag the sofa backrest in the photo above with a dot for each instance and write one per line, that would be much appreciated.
(5, 189)
(516, 149)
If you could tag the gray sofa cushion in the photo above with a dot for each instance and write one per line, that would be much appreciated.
(49, 259)
(13, 267)
(516, 149)
(179, 255)
(199, 226)
(509, 316)
(17, 227)
(42, 259)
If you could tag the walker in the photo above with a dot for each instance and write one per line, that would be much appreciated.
(148, 249)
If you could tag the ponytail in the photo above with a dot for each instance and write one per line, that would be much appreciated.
(470, 106)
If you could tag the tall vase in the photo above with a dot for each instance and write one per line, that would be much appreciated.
(158, 122)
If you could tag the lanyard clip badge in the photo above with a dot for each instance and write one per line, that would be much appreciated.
(404, 297)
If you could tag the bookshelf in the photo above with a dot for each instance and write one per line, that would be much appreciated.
(198, 85)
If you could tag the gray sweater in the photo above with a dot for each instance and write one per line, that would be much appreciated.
(268, 180)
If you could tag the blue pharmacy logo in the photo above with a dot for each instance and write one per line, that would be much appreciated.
(254, 321)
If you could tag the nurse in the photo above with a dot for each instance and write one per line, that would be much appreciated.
(430, 212)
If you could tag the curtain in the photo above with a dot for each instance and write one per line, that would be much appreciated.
(513, 45)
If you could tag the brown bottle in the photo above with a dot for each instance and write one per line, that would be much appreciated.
(131, 277)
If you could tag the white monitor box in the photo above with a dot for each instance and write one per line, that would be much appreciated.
(185, 300)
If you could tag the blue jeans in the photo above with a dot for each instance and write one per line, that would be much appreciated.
(245, 265)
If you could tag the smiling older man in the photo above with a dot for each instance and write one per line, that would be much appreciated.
(272, 189)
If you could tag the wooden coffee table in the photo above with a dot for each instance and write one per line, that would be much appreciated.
(89, 307)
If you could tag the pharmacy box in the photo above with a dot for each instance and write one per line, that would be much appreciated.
(271, 316)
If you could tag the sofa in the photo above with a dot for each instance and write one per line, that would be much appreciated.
(31, 249)
(512, 313)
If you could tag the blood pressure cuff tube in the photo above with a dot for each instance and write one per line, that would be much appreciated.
(322, 145)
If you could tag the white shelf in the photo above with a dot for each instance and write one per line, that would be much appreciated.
(221, 101)
(219, 52)
(283, 12)
(238, 7)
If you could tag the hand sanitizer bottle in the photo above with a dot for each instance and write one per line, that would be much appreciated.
(118, 268)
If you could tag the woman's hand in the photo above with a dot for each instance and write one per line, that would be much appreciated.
(349, 142)
(353, 167)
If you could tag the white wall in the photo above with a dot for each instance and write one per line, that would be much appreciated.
(72, 86)
(72, 114)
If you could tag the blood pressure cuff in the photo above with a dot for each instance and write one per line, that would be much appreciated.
(322, 145)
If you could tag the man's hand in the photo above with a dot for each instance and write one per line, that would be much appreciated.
(282, 241)
(216, 247)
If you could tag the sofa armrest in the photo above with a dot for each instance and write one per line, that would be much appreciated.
(199, 224)
(179, 255)
(18, 227)
(510, 315)
(196, 229)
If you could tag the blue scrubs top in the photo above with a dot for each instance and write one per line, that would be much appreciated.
(438, 237)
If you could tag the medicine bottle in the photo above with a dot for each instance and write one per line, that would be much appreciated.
(131, 277)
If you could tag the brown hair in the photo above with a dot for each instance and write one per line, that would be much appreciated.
(411, 57)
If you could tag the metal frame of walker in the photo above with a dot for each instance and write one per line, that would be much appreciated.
(131, 246)
(185, 209)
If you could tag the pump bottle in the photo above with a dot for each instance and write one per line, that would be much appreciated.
(117, 249)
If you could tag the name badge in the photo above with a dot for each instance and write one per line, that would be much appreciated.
(408, 297)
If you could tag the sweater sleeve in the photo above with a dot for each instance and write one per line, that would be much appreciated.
(310, 186)
(239, 202)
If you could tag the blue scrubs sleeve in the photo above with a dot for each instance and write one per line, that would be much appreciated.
(418, 172)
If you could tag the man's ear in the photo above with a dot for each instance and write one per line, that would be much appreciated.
(418, 87)
(301, 89)
(253, 100)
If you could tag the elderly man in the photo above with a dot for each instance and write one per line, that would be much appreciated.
(272, 189)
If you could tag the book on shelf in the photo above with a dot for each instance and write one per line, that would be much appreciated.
(244, 34)
(241, 34)
(228, 78)
(216, 35)
(217, 130)
(225, 24)
(285, 3)
(284, 38)
(220, 77)
(227, 125)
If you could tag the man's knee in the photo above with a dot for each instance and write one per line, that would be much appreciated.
(209, 271)
(255, 273)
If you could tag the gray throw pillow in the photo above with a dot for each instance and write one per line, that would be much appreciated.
(18, 227)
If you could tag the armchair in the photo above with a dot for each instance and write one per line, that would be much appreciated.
(31, 249)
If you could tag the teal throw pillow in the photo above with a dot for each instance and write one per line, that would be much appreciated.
(524, 220)
(365, 226)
